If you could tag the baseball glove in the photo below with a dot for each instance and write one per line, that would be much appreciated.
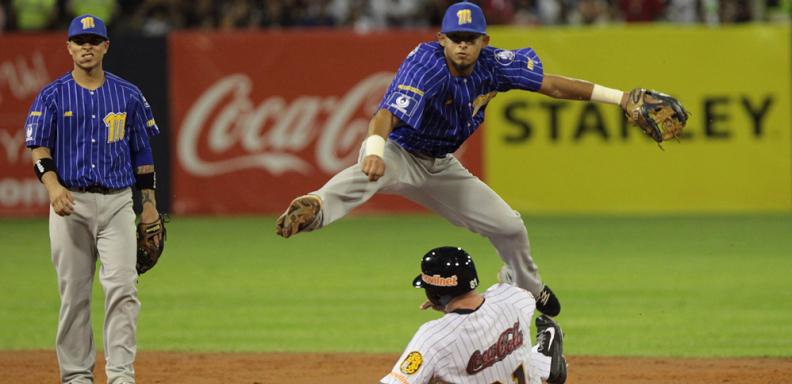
(299, 217)
(660, 116)
(150, 243)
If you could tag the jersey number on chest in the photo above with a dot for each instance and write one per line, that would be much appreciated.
(115, 123)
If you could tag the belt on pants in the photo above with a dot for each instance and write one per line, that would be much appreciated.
(422, 155)
(95, 189)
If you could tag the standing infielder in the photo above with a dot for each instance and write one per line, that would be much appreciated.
(435, 102)
(88, 132)
(481, 339)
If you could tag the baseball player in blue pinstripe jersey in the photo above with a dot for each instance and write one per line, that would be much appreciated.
(435, 102)
(88, 132)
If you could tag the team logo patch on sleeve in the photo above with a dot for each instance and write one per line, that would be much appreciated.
(412, 363)
(504, 57)
(403, 103)
(29, 131)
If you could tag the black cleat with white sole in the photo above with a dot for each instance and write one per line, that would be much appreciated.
(550, 342)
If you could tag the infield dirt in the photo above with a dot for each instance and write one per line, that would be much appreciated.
(37, 367)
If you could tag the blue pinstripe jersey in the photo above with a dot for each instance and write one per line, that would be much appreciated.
(95, 137)
(438, 112)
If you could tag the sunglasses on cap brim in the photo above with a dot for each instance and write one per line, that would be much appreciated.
(458, 37)
(90, 39)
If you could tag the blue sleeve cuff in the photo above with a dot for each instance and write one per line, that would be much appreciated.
(143, 157)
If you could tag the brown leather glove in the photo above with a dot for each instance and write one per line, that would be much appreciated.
(150, 243)
(660, 116)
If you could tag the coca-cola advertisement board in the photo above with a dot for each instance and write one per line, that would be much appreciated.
(27, 64)
(259, 118)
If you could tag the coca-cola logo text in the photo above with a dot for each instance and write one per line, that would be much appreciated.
(508, 342)
(225, 131)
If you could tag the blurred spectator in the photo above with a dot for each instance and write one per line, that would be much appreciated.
(103, 9)
(735, 11)
(239, 14)
(590, 12)
(779, 10)
(158, 17)
(399, 13)
(354, 13)
(365, 15)
(684, 11)
(295, 12)
(498, 11)
(200, 14)
(641, 10)
(710, 11)
(317, 14)
(552, 12)
(275, 15)
(524, 13)
(433, 11)
(3, 17)
(34, 15)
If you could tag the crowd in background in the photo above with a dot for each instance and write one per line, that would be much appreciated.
(158, 17)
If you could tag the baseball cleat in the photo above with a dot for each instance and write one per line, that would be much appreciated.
(300, 216)
(546, 302)
(550, 342)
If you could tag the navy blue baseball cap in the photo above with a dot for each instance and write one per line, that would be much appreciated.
(464, 17)
(87, 25)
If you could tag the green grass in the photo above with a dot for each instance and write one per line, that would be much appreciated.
(637, 286)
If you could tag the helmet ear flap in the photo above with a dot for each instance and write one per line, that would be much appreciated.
(437, 299)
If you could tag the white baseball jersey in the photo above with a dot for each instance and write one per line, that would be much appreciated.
(491, 344)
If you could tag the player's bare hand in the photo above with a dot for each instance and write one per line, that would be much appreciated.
(62, 200)
(373, 167)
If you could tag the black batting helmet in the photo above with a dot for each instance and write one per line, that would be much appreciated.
(446, 272)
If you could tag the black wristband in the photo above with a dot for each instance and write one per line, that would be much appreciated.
(146, 180)
(44, 165)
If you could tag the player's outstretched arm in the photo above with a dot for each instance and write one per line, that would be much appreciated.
(561, 87)
(380, 127)
(61, 198)
(660, 116)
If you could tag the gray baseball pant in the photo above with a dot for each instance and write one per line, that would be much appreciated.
(102, 226)
(445, 186)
